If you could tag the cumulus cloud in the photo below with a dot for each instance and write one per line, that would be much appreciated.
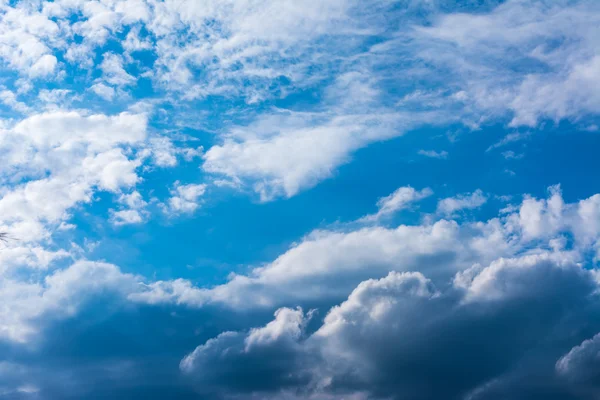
(126, 217)
(400, 334)
(27, 39)
(9, 99)
(104, 91)
(468, 293)
(246, 359)
(326, 264)
(580, 367)
(62, 158)
(133, 209)
(53, 162)
(27, 306)
(113, 70)
(184, 198)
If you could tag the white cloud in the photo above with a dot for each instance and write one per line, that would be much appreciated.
(31, 256)
(126, 217)
(541, 217)
(510, 138)
(434, 154)
(164, 152)
(53, 162)
(451, 205)
(184, 198)
(282, 153)
(9, 99)
(287, 323)
(56, 160)
(400, 199)
(104, 91)
(254, 43)
(549, 54)
(326, 264)
(230, 48)
(133, 211)
(113, 71)
(26, 38)
(134, 43)
(44, 66)
(27, 304)
(133, 200)
(56, 98)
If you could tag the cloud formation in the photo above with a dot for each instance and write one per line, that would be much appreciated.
(187, 192)
(400, 334)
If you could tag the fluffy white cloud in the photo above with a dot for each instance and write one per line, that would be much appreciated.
(44, 66)
(325, 265)
(26, 39)
(104, 91)
(27, 306)
(184, 198)
(113, 71)
(53, 162)
(133, 209)
(126, 217)
(9, 99)
(62, 158)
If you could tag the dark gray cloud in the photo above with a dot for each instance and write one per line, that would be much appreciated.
(580, 368)
(401, 337)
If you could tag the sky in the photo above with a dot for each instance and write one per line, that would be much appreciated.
(300, 200)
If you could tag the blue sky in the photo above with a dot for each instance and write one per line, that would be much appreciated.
(273, 199)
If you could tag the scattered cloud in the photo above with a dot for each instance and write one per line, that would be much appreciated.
(470, 201)
(434, 154)
(104, 91)
(327, 263)
(511, 155)
(184, 198)
(400, 199)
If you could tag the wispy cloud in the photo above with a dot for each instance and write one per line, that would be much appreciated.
(451, 205)
(434, 154)
(400, 199)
